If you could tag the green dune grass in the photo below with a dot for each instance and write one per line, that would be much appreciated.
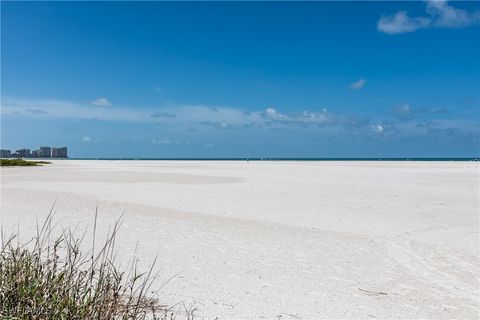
(52, 278)
(21, 163)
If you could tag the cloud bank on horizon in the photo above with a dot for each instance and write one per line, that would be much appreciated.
(403, 121)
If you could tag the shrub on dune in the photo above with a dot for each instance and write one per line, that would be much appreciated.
(51, 278)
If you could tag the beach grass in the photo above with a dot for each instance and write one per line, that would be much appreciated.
(21, 163)
(52, 278)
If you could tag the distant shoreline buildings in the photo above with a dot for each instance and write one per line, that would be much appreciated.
(42, 152)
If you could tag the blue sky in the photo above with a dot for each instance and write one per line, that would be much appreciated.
(242, 79)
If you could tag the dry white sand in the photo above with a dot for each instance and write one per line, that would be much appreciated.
(293, 240)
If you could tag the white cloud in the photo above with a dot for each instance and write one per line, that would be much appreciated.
(86, 139)
(270, 112)
(70, 110)
(446, 129)
(101, 102)
(449, 17)
(162, 115)
(400, 22)
(273, 114)
(36, 111)
(440, 15)
(302, 118)
(359, 84)
(378, 128)
(161, 141)
(403, 111)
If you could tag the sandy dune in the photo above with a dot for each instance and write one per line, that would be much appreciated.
(295, 240)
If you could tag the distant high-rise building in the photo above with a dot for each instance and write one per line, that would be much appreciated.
(42, 152)
(45, 152)
(59, 152)
(23, 153)
(5, 153)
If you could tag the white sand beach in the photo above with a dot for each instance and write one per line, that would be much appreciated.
(288, 240)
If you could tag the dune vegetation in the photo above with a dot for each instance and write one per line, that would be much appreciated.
(52, 278)
(21, 163)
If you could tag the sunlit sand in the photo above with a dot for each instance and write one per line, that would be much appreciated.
(267, 239)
